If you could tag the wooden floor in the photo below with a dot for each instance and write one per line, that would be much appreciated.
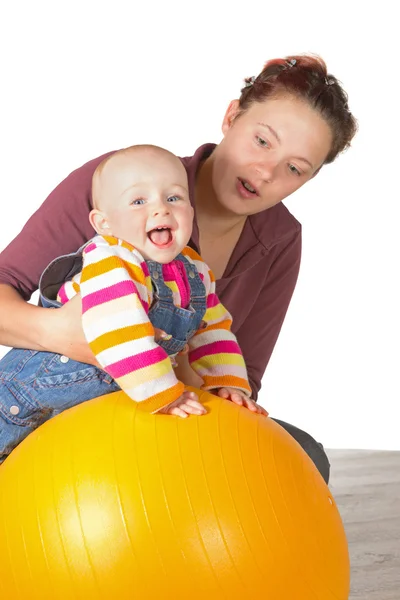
(366, 487)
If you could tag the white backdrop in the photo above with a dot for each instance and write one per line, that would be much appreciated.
(82, 78)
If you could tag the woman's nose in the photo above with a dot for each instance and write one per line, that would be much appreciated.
(266, 170)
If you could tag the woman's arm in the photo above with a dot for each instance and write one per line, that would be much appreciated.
(59, 226)
(38, 328)
(14, 311)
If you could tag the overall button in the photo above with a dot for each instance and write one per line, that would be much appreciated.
(155, 275)
(64, 359)
(14, 410)
(191, 274)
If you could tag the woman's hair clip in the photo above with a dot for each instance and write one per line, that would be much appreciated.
(329, 81)
(249, 81)
(291, 63)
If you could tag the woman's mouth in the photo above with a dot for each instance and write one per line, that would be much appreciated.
(161, 236)
(246, 189)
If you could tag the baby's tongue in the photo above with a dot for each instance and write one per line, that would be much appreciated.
(160, 236)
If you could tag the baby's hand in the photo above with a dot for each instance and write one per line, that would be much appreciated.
(187, 404)
(240, 398)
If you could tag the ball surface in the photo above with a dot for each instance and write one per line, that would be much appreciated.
(106, 501)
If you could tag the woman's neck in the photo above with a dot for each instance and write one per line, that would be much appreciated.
(212, 218)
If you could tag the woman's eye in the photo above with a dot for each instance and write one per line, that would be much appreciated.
(173, 198)
(262, 142)
(137, 201)
(294, 170)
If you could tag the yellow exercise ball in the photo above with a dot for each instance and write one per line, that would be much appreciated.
(106, 501)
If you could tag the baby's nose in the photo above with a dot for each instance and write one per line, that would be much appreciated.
(161, 209)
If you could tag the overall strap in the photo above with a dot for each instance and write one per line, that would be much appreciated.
(162, 291)
(197, 287)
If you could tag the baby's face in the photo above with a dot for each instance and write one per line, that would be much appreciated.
(145, 198)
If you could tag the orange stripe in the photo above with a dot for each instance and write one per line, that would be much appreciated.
(226, 381)
(162, 398)
(119, 336)
(111, 240)
(108, 264)
(136, 273)
(127, 245)
(192, 254)
(226, 324)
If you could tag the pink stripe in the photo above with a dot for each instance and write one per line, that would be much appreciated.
(169, 272)
(90, 247)
(134, 363)
(62, 295)
(212, 300)
(145, 269)
(223, 347)
(183, 284)
(118, 290)
(175, 271)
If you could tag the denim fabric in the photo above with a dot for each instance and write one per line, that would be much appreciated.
(180, 323)
(35, 386)
(61, 269)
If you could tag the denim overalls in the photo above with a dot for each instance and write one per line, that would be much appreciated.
(181, 323)
(36, 386)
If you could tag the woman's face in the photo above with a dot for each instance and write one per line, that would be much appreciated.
(267, 153)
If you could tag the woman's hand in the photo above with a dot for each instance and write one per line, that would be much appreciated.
(240, 398)
(63, 332)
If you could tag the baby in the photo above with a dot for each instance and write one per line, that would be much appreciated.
(136, 275)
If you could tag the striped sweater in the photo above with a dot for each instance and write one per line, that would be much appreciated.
(117, 292)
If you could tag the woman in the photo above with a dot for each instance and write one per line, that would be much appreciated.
(290, 120)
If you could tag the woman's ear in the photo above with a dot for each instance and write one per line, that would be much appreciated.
(98, 221)
(230, 115)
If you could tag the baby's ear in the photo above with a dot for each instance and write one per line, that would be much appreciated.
(99, 222)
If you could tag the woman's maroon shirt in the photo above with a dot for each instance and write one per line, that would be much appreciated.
(256, 287)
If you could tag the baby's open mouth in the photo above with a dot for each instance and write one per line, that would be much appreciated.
(160, 236)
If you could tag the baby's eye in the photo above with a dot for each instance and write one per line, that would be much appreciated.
(261, 142)
(137, 201)
(173, 198)
(294, 170)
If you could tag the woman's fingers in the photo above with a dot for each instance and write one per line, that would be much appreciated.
(66, 332)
